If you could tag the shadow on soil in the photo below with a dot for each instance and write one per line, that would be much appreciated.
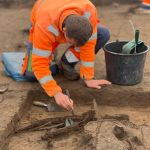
(107, 96)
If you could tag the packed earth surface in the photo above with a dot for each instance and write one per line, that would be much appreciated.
(130, 130)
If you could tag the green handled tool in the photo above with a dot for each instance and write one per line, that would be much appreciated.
(137, 32)
(133, 46)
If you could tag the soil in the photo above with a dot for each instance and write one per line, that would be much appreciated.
(133, 101)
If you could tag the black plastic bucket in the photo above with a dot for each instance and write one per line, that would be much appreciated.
(124, 69)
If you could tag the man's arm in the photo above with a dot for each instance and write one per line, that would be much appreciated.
(87, 57)
(41, 57)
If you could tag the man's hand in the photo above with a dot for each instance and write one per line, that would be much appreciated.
(64, 101)
(96, 83)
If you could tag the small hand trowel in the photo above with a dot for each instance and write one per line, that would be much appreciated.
(51, 107)
(132, 46)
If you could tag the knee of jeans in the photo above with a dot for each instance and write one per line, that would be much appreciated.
(102, 38)
(106, 35)
(29, 46)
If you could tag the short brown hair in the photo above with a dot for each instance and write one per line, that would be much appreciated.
(78, 28)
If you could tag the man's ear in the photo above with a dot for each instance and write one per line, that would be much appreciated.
(64, 29)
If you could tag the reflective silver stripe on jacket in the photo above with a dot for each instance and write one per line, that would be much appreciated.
(52, 29)
(40, 4)
(71, 57)
(87, 14)
(87, 64)
(46, 79)
(93, 37)
(42, 53)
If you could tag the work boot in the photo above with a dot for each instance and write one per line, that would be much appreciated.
(68, 71)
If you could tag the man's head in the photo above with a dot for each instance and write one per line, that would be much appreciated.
(77, 30)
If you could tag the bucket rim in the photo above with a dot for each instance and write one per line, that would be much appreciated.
(121, 54)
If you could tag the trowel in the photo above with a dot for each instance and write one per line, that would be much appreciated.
(51, 107)
(133, 46)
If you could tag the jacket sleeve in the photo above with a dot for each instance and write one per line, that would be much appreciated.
(87, 53)
(41, 57)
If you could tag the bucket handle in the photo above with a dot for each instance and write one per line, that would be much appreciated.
(120, 28)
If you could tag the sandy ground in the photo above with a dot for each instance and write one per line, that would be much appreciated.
(131, 100)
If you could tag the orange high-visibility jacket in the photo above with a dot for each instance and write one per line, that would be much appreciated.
(146, 2)
(46, 33)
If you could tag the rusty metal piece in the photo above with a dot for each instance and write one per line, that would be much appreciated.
(58, 122)
(87, 117)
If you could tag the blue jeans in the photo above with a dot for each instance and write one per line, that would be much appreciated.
(103, 36)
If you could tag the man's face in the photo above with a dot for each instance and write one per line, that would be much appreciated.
(71, 41)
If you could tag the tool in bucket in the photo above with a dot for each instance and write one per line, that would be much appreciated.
(135, 45)
(137, 32)
(51, 107)
(69, 121)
